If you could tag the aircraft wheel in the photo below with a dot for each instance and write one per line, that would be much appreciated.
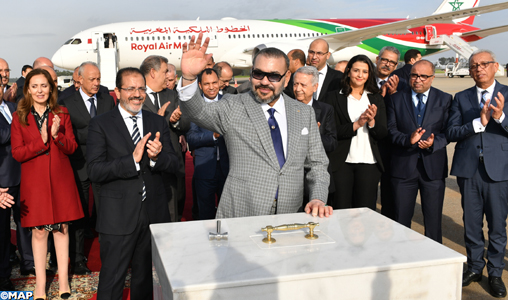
(450, 75)
(462, 76)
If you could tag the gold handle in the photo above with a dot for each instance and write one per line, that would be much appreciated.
(286, 227)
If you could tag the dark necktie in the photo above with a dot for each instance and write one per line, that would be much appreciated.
(483, 100)
(420, 101)
(93, 110)
(156, 100)
(136, 137)
(381, 83)
(276, 137)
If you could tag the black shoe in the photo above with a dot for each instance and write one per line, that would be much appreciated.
(80, 268)
(26, 272)
(470, 276)
(6, 284)
(13, 259)
(497, 288)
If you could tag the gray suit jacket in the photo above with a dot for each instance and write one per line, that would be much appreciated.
(254, 174)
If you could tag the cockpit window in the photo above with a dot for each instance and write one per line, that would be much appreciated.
(68, 42)
(76, 42)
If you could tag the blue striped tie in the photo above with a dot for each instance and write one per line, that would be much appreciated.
(484, 99)
(136, 137)
(6, 115)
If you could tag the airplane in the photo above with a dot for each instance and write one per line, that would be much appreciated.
(236, 41)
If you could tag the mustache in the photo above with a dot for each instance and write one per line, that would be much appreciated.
(136, 98)
(258, 86)
(385, 68)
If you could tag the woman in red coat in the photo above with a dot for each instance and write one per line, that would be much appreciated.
(42, 139)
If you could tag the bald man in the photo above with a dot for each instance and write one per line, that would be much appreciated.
(341, 65)
(9, 92)
(296, 61)
(225, 73)
(43, 61)
(329, 79)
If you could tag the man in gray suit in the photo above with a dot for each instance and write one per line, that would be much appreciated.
(271, 138)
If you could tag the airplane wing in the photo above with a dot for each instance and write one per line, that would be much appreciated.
(356, 36)
(486, 32)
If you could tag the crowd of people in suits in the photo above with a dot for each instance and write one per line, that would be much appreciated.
(298, 136)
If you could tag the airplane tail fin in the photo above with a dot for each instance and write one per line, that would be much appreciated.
(455, 5)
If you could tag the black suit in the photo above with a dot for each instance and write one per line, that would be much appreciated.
(71, 90)
(123, 219)
(10, 177)
(175, 183)
(289, 88)
(403, 73)
(80, 118)
(229, 90)
(20, 83)
(357, 192)
(413, 168)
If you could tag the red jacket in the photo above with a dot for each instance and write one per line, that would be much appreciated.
(48, 190)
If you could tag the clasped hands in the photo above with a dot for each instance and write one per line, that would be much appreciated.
(54, 129)
(416, 137)
(496, 111)
(366, 117)
(6, 200)
(153, 147)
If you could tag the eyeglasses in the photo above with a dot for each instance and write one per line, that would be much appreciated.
(481, 65)
(388, 62)
(312, 52)
(272, 77)
(132, 90)
(5, 70)
(422, 77)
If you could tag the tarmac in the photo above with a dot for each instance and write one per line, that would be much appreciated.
(453, 227)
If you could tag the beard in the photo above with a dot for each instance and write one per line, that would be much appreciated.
(127, 105)
(260, 98)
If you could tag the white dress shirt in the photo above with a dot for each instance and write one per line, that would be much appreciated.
(85, 99)
(149, 92)
(360, 151)
(322, 75)
(477, 123)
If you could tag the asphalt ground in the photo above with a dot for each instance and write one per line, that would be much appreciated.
(453, 227)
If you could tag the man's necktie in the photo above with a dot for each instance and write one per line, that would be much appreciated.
(276, 137)
(381, 83)
(484, 99)
(156, 100)
(420, 101)
(93, 110)
(6, 115)
(136, 137)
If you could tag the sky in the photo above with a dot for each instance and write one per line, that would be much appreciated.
(38, 28)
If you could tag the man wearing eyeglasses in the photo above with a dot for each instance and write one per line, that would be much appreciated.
(270, 138)
(83, 105)
(225, 73)
(128, 151)
(386, 62)
(479, 125)
(9, 92)
(417, 120)
(329, 79)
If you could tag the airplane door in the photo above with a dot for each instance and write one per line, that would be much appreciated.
(214, 43)
(97, 40)
(430, 32)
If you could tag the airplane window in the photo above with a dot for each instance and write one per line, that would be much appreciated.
(126, 39)
(258, 35)
(132, 38)
(277, 35)
(244, 36)
(272, 34)
(229, 35)
(263, 35)
(179, 37)
(248, 35)
(68, 42)
(76, 42)
(184, 37)
(286, 35)
(137, 38)
(158, 38)
(164, 38)
(300, 35)
(169, 37)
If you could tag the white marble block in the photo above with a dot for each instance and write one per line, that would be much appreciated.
(359, 254)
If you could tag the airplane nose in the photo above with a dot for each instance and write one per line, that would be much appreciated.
(57, 58)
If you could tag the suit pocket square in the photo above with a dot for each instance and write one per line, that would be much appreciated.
(305, 131)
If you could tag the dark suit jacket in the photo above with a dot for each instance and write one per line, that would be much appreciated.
(494, 141)
(229, 90)
(205, 152)
(80, 118)
(19, 92)
(289, 88)
(345, 130)
(402, 123)
(71, 90)
(175, 132)
(403, 72)
(10, 169)
(110, 163)
(327, 130)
